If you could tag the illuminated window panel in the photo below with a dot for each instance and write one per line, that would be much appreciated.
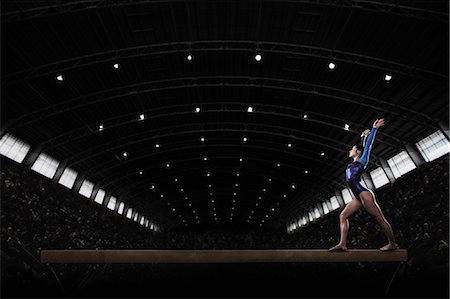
(129, 213)
(434, 146)
(401, 164)
(86, 188)
(100, 196)
(121, 207)
(13, 148)
(346, 195)
(316, 213)
(379, 177)
(142, 220)
(334, 203)
(68, 177)
(45, 165)
(112, 203)
(135, 217)
(325, 208)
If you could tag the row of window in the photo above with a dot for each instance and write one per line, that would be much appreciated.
(432, 147)
(16, 149)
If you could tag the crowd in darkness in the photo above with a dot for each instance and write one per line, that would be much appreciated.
(36, 215)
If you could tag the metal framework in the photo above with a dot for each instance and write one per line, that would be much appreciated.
(241, 81)
(221, 45)
(213, 107)
(373, 6)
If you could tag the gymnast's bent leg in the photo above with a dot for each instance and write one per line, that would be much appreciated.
(349, 209)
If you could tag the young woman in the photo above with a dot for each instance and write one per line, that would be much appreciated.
(362, 196)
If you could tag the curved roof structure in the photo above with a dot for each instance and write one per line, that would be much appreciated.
(226, 109)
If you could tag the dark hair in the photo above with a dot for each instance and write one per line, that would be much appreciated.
(359, 147)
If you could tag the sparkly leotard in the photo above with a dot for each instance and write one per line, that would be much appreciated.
(355, 169)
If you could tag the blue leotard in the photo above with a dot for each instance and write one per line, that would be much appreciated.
(355, 169)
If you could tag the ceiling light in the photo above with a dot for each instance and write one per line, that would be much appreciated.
(322, 154)
(387, 77)
(331, 66)
(157, 145)
(250, 109)
(140, 172)
(100, 127)
(189, 57)
(258, 57)
(125, 154)
(346, 127)
(202, 139)
(60, 78)
(244, 139)
(197, 109)
(293, 186)
(305, 116)
(141, 117)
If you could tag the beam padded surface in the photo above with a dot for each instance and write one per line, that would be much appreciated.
(220, 256)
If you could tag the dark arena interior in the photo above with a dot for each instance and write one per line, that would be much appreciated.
(170, 148)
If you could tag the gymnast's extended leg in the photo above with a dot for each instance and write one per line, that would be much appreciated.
(370, 204)
(349, 209)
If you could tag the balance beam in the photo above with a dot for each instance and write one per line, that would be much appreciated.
(220, 256)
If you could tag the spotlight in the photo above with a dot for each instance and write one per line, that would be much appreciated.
(141, 117)
(100, 127)
(60, 78)
(305, 116)
(167, 165)
(197, 109)
(202, 139)
(244, 139)
(250, 109)
(205, 159)
(322, 154)
(140, 172)
(258, 57)
(306, 171)
(157, 145)
(189, 57)
(125, 154)
(387, 77)
(331, 65)
(116, 65)
(346, 127)
(293, 186)
(289, 145)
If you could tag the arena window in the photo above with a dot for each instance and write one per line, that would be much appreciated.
(121, 207)
(311, 218)
(304, 221)
(346, 195)
(401, 164)
(379, 177)
(135, 217)
(45, 165)
(142, 220)
(100, 196)
(13, 148)
(434, 146)
(325, 208)
(316, 213)
(112, 203)
(68, 177)
(129, 213)
(334, 203)
(86, 188)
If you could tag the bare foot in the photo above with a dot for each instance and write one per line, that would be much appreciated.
(338, 247)
(389, 247)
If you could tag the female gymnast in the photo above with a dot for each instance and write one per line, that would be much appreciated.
(362, 196)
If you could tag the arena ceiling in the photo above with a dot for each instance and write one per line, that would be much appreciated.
(123, 59)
